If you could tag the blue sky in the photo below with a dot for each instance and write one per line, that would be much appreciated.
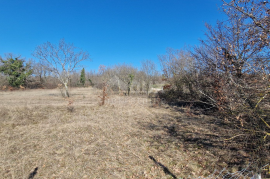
(112, 31)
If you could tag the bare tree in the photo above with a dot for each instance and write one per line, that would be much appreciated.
(229, 53)
(41, 71)
(178, 68)
(140, 77)
(62, 59)
(149, 68)
(256, 14)
(234, 75)
(126, 73)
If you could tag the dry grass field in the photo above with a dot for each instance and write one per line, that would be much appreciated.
(125, 138)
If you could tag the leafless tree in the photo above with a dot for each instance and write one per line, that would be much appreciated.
(62, 59)
(234, 63)
(256, 14)
(140, 77)
(149, 69)
(229, 52)
(126, 74)
(41, 71)
(178, 68)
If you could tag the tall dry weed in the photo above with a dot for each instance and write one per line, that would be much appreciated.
(104, 94)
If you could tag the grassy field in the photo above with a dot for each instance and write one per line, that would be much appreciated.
(125, 138)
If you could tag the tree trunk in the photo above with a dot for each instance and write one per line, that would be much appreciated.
(128, 90)
(119, 88)
(66, 90)
(147, 88)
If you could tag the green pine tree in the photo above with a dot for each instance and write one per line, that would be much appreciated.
(16, 71)
(82, 78)
(131, 77)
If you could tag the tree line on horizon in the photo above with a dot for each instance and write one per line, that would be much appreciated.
(43, 74)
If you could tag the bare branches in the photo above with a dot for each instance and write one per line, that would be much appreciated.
(62, 59)
(149, 69)
(255, 11)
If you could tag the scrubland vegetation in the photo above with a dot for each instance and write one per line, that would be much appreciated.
(116, 140)
(212, 113)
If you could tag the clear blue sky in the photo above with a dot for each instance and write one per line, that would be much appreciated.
(112, 31)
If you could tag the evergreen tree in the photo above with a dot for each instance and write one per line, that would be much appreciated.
(16, 71)
(131, 77)
(82, 78)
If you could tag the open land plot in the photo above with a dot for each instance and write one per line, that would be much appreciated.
(125, 138)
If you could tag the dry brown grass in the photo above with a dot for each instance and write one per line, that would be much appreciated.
(118, 140)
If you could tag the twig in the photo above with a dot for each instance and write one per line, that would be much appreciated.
(234, 136)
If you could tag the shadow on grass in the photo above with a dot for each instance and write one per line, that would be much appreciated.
(204, 134)
(165, 169)
(32, 174)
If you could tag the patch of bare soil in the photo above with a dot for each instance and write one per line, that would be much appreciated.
(126, 138)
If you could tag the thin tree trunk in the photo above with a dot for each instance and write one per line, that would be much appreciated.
(66, 90)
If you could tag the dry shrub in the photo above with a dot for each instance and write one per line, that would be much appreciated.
(226, 90)
(70, 106)
(104, 94)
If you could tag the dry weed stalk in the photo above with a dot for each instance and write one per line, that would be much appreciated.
(157, 102)
(111, 91)
(22, 88)
(70, 106)
(104, 94)
(122, 93)
(60, 86)
(239, 118)
(188, 111)
(4, 88)
(10, 88)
